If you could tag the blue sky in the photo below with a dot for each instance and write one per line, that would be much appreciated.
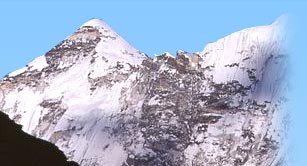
(31, 28)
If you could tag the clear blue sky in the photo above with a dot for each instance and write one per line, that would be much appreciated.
(30, 28)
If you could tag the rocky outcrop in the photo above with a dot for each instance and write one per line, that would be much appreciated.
(20, 149)
(104, 103)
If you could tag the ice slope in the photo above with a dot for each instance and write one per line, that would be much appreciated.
(250, 56)
(70, 94)
(105, 103)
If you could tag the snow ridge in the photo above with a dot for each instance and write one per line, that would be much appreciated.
(103, 102)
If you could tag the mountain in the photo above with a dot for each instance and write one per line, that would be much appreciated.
(103, 102)
(20, 149)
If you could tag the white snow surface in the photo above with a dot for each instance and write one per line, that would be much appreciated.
(123, 50)
(38, 63)
(17, 72)
(85, 110)
(249, 50)
(96, 23)
(84, 130)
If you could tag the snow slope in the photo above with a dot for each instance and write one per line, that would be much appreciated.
(105, 103)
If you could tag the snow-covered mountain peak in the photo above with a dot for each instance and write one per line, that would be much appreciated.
(109, 44)
(96, 23)
(244, 51)
(104, 103)
(259, 34)
(281, 21)
(94, 47)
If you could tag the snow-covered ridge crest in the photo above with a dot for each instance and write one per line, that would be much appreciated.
(94, 39)
(112, 44)
(96, 23)
(274, 32)
(246, 53)
(104, 103)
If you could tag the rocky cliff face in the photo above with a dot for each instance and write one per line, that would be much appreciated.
(104, 103)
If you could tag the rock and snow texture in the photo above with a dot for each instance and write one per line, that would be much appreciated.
(21, 149)
(105, 103)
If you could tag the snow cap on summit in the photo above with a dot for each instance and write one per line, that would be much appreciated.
(96, 23)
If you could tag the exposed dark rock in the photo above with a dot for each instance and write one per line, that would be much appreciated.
(20, 149)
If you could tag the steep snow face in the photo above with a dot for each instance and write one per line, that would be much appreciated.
(71, 90)
(104, 103)
(249, 56)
